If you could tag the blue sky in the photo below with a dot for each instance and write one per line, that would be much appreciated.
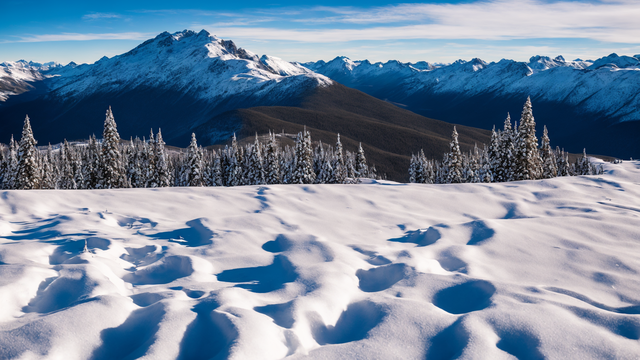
(435, 31)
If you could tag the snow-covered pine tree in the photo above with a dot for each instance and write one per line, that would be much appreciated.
(362, 170)
(507, 139)
(272, 158)
(49, 174)
(111, 171)
(487, 173)
(454, 163)
(495, 156)
(12, 168)
(549, 168)
(76, 165)
(303, 160)
(339, 165)
(528, 163)
(91, 163)
(350, 165)
(562, 162)
(67, 178)
(193, 167)
(217, 177)
(233, 169)
(149, 157)
(287, 162)
(318, 158)
(162, 175)
(254, 164)
(421, 175)
(327, 174)
(4, 165)
(413, 167)
(132, 155)
(27, 174)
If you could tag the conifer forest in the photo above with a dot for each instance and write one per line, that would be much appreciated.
(109, 163)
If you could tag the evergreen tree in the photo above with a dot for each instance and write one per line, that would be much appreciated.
(161, 176)
(507, 140)
(67, 178)
(218, 176)
(149, 158)
(49, 174)
(350, 165)
(28, 173)
(549, 168)
(193, 169)
(339, 165)
(272, 173)
(454, 163)
(362, 170)
(91, 163)
(495, 156)
(111, 171)
(12, 165)
(303, 161)
(528, 163)
(254, 164)
(4, 165)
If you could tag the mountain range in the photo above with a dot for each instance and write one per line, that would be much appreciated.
(195, 82)
(583, 102)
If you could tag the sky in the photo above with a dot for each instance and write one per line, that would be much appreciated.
(435, 31)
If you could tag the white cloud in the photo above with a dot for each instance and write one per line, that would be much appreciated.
(84, 37)
(96, 16)
(609, 21)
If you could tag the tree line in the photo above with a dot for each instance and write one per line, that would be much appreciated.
(512, 155)
(109, 163)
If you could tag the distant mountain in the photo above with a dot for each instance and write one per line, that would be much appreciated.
(174, 81)
(583, 103)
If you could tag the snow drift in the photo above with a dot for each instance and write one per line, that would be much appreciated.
(528, 269)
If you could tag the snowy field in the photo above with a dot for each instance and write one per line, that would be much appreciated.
(527, 270)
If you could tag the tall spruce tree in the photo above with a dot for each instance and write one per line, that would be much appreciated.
(339, 165)
(549, 167)
(162, 176)
(28, 173)
(454, 162)
(272, 158)
(67, 178)
(111, 173)
(303, 161)
(362, 170)
(528, 163)
(194, 163)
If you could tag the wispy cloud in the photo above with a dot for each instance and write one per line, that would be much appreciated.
(97, 16)
(83, 37)
(608, 21)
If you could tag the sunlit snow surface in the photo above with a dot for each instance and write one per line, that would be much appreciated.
(541, 269)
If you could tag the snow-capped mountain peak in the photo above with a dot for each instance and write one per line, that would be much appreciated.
(199, 64)
(613, 60)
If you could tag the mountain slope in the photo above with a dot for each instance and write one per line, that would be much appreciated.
(583, 103)
(388, 133)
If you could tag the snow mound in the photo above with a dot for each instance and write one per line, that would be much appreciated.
(533, 269)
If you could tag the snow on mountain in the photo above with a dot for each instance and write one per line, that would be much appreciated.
(16, 76)
(532, 269)
(197, 64)
(597, 87)
(615, 61)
